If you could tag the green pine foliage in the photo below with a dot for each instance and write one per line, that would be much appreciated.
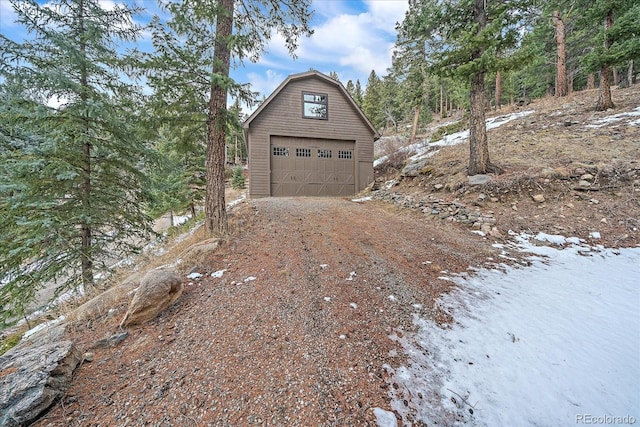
(237, 180)
(71, 186)
(191, 80)
(372, 101)
(623, 37)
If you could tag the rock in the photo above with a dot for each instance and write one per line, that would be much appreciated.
(200, 250)
(438, 186)
(88, 357)
(479, 179)
(112, 341)
(587, 177)
(101, 304)
(496, 233)
(413, 169)
(539, 198)
(583, 183)
(158, 290)
(32, 376)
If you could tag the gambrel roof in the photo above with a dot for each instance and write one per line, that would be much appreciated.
(325, 78)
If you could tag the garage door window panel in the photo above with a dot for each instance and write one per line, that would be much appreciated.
(303, 152)
(281, 151)
(324, 154)
(315, 106)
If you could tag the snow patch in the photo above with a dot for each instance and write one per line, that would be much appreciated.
(42, 326)
(218, 274)
(537, 345)
(598, 123)
(362, 199)
(385, 418)
(551, 238)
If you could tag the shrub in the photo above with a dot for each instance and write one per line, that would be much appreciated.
(237, 180)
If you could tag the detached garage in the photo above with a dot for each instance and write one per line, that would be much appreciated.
(309, 138)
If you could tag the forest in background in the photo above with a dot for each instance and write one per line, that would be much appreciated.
(81, 182)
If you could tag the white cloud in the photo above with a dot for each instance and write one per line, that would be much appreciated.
(7, 15)
(387, 13)
(265, 83)
(350, 42)
(108, 5)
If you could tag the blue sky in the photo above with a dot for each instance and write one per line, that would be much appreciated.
(351, 37)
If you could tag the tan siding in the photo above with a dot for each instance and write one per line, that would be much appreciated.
(259, 166)
(283, 117)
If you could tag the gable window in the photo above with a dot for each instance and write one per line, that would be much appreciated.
(314, 105)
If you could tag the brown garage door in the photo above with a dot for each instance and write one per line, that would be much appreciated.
(312, 167)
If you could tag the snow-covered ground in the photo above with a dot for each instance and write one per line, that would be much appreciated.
(425, 148)
(616, 118)
(551, 344)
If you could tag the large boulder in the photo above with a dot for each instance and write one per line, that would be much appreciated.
(33, 375)
(158, 290)
(102, 303)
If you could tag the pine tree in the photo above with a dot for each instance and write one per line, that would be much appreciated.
(237, 180)
(617, 42)
(72, 180)
(463, 39)
(372, 100)
(186, 70)
(358, 93)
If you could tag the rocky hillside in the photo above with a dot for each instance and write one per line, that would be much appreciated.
(568, 170)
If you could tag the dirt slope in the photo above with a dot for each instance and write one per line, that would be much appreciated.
(302, 344)
(551, 152)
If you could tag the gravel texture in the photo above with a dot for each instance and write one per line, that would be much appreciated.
(294, 333)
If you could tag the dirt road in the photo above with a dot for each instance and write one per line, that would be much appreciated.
(294, 333)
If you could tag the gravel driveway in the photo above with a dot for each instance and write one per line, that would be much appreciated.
(294, 333)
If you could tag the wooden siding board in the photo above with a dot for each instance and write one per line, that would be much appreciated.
(283, 117)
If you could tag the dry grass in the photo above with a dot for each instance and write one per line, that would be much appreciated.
(552, 140)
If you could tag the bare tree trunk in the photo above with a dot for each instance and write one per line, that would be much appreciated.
(442, 108)
(416, 114)
(479, 162)
(86, 238)
(616, 76)
(499, 90)
(604, 100)
(561, 54)
(591, 81)
(570, 76)
(630, 73)
(215, 207)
